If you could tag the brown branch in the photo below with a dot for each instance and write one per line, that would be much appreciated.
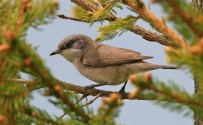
(146, 34)
(75, 19)
(158, 24)
(70, 18)
(93, 91)
(187, 19)
(151, 36)
(181, 99)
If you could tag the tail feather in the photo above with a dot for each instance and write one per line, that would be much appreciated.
(167, 67)
(144, 66)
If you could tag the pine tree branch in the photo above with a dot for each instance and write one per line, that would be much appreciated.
(90, 92)
(184, 16)
(150, 86)
(146, 34)
(155, 93)
(139, 7)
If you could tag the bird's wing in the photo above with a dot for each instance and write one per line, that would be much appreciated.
(103, 55)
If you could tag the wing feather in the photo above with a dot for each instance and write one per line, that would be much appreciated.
(101, 55)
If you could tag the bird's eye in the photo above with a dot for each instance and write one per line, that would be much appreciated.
(68, 45)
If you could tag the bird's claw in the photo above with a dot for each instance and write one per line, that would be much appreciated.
(122, 92)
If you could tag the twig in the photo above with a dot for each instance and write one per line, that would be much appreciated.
(22, 80)
(62, 115)
(91, 101)
(80, 99)
(28, 83)
(75, 19)
(70, 18)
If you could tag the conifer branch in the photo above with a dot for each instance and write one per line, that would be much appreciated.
(150, 86)
(158, 24)
(146, 34)
(89, 92)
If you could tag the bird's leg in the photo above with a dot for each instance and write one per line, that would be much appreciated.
(93, 86)
(122, 90)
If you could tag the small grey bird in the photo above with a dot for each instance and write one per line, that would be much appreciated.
(106, 65)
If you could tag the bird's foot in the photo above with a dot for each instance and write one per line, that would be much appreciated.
(93, 86)
(89, 87)
(122, 91)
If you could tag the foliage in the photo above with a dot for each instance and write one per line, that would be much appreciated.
(16, 55)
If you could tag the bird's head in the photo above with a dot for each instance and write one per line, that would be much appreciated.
(73, 46)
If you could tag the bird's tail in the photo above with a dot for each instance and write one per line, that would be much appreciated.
(144, 66)
(166, 67)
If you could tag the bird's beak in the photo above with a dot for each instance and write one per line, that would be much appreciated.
(55, 52)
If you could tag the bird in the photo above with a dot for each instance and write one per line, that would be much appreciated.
(103, 64)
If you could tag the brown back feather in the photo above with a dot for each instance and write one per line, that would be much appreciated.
(101, 55)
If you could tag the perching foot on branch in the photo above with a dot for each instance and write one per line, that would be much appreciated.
(122, 90)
